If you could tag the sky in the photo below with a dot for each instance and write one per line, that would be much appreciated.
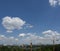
(28, 18)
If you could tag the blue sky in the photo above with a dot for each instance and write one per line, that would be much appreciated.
(38, 13)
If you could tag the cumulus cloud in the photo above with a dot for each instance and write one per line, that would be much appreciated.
(50, 32)
(8, 40)
(54, 2)
(26, 38)
(51, 35)
(12, 23)
(32, 37)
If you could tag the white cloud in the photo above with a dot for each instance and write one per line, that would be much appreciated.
(54, 2)
(28, 37)
(50, 32)
(8, 40)
(2, 37)
(9, 31)
(22, 35)
(29, 26)
(11, 38)
(51, 35)
(12, 23)
(16, 39)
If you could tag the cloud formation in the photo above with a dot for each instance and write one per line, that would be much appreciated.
(26, 38)
(50, 32)
(29, 26)
(46, 39)
(31, 37)
(12, 23)
(8, 40)
(22, 35)
(51, 35)
(54, 2)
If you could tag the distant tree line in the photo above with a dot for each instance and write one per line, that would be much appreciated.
(34, 48)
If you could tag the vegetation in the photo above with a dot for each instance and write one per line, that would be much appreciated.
(34, 48)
